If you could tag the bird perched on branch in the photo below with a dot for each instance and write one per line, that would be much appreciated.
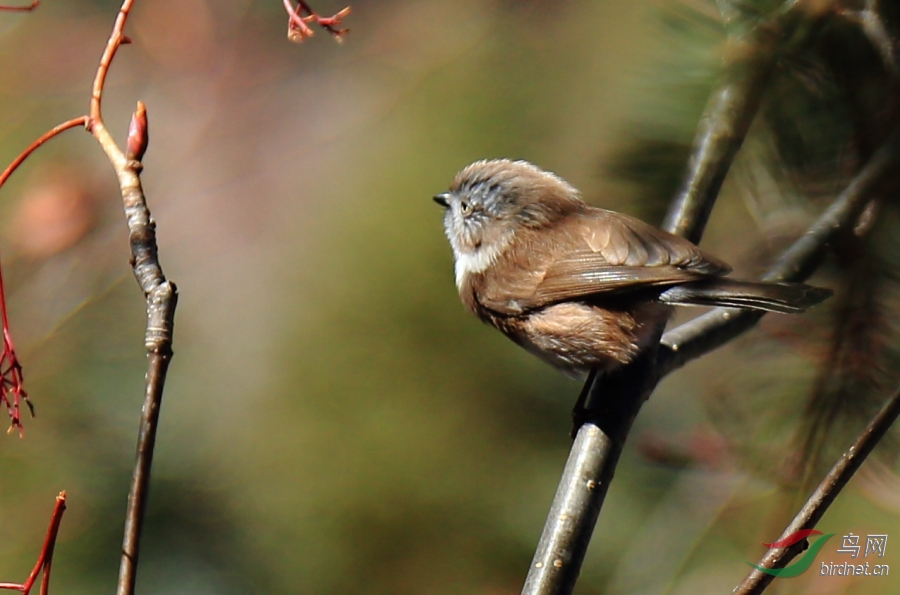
(582, 288)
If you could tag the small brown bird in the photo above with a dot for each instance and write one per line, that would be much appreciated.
(580, 287)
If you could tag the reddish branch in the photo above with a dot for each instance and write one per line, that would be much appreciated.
(80, 121)
(298, 25)
(28, 8)
(42, 566)
(12, 393)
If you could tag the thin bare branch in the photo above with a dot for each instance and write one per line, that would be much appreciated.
(873, 27)
(723, 127)
(45, 558)
(161, 296)
(27, 8)
(720, 325)
(116, 39)
(12, 391)
(822, 497)
(298, 27)
(12, 167)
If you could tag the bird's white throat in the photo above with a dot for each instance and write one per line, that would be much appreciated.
(477, 260)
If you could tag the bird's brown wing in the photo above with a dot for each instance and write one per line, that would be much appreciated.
(599, 252)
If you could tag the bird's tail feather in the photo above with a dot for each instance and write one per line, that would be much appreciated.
(788, 298)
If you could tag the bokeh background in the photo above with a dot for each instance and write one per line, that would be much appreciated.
(334, 421)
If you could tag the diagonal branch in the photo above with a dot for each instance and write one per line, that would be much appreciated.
(12, 392)
(723, 126)
(45, 558)
(732, 107)
(720, 325)
(819, 501)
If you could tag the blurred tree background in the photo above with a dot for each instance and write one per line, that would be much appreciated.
(334, 421)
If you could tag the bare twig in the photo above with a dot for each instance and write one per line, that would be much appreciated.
(45, 558)
(27, 8)
(814, 508)
(161, 296)
(298, 29)
(11, 379)
(12, 167)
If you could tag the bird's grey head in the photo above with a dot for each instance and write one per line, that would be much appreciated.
(489, 200)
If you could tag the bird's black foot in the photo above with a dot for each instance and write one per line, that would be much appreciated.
(580, 413)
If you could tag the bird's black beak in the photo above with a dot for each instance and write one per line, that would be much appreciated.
(443, 200)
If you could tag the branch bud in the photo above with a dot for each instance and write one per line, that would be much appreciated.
(138, 137)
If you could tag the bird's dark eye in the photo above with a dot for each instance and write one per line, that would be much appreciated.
(466, 207)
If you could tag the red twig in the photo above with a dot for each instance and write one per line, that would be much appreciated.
(42, 566)
(298, 28)
(20, 8)
(12, 393)
(80, 121)
(116, 38)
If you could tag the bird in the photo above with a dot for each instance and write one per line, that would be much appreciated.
(583, 288)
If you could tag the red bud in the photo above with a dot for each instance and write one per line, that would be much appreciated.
(138, 137)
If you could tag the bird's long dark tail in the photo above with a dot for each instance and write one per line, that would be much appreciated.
(788, 298)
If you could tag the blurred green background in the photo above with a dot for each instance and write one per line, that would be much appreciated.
(334, 421)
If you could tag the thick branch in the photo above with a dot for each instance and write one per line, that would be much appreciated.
(732, 107)
(616, 401)
(723, 127)
(587, 476)
(814, 508)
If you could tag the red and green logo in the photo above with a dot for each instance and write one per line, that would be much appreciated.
(805, 560)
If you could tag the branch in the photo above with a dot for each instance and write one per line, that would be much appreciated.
(11, 379)
(817, 504)
(298, 29)
(161, 296)
(720, 325)
(614, 401)
(721, 132)
(732, 107)
(45, 558)
(27, 8)
(873, 27)
(12, 167)
(587, 475)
